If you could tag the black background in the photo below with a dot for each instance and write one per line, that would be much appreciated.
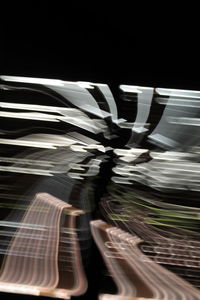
(131, 44)
(122, 44)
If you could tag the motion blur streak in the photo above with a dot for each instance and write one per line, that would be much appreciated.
(135, 274)
(31, 264)
(85, 179)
